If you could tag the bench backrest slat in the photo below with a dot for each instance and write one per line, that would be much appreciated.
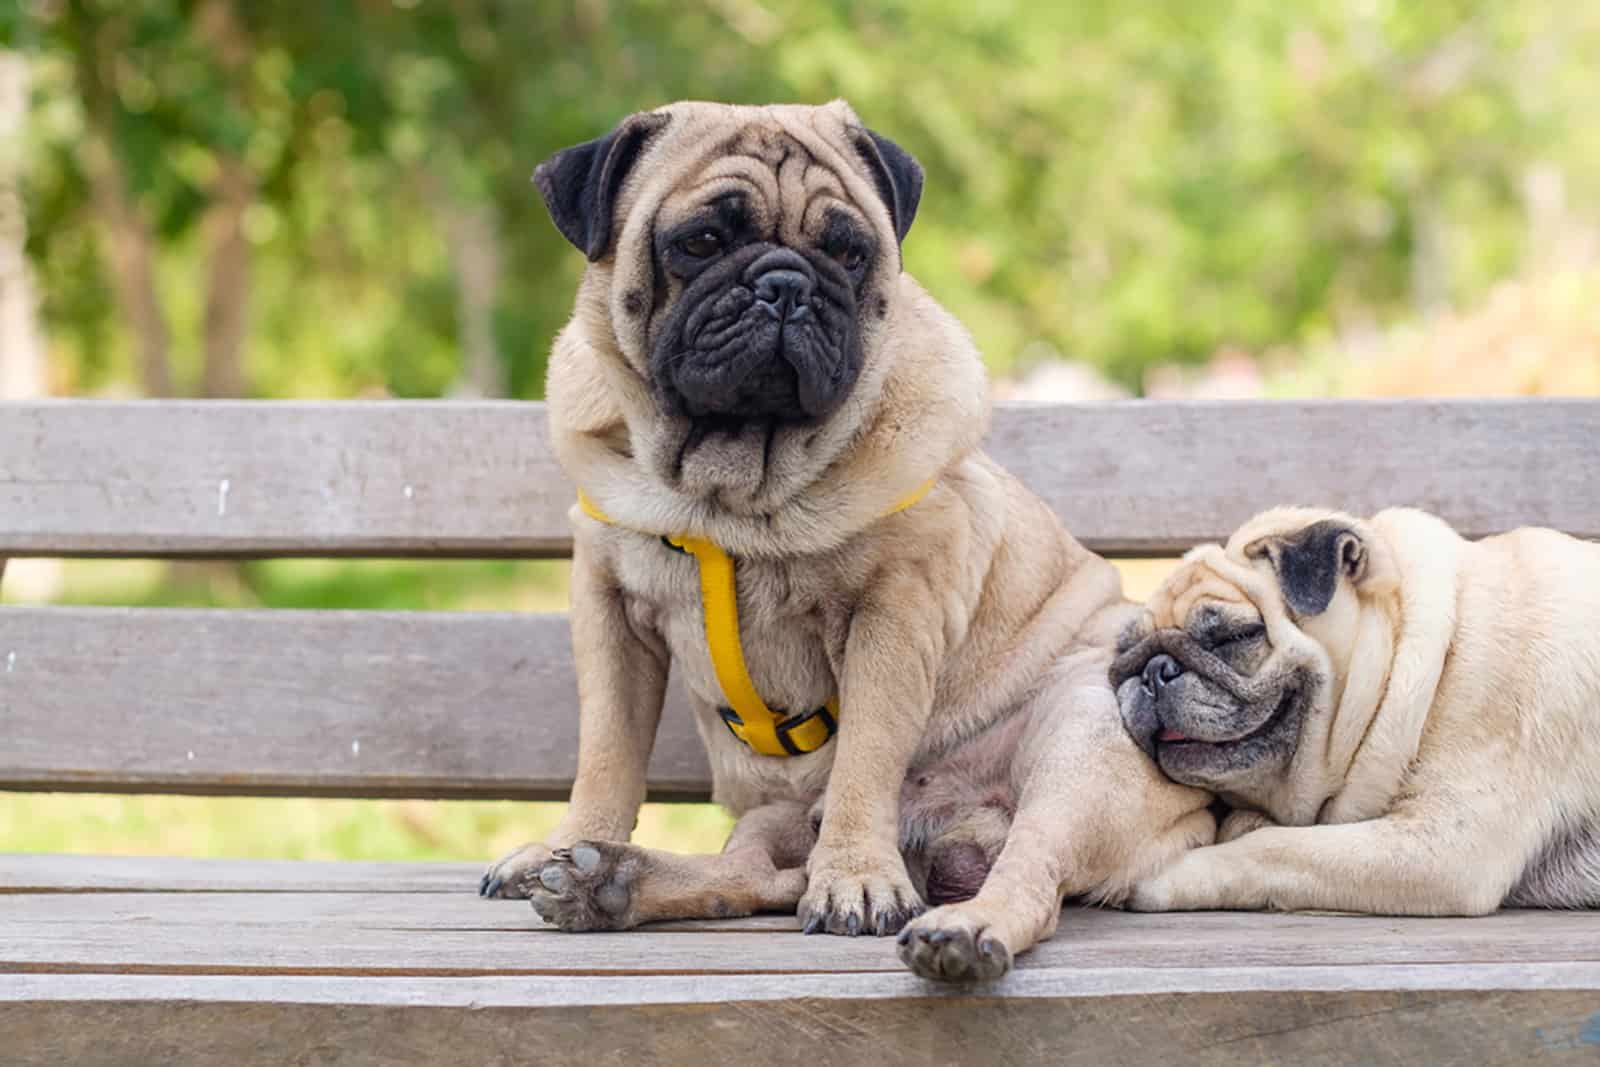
(434, 704)
(477, 479)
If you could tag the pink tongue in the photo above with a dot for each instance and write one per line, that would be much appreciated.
(1171, 735)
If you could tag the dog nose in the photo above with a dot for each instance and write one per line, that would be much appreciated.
(1161, 671)
(783, 290)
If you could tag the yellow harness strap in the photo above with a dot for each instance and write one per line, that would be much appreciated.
(768, 732)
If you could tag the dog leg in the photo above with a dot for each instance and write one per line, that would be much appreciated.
(604, 885)
(622, 678)
(1241, 821)
(1094, 814)
(858, 880)
(1410, 862)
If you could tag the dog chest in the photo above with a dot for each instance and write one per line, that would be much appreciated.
(788, 622)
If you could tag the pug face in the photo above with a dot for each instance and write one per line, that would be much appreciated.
(759, 318)
(1242, 652)
(744, 264)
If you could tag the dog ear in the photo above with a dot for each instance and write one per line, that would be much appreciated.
(1310, 563)
(580, 184)
(897, 175)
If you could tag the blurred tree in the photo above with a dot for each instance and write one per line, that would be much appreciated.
(21, 346)
(1124, 185)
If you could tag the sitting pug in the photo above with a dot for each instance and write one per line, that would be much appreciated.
(775, 433)
(1404, 722)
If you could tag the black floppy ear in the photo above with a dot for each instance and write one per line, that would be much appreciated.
(580, 184)
(897, 175)
(1311, 562)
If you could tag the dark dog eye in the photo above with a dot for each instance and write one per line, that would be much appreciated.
(1249, 633)
(849, 258)
(701, 245)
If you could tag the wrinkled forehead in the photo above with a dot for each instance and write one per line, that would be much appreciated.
(786, 174)
(1209, 581)
(1194, 583)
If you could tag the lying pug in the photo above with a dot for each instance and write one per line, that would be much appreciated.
(896, 655)
(1404, 722)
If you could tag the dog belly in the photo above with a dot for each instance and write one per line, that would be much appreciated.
(1565, 873)
(955, 812)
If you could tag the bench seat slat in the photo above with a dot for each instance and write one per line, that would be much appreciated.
(112, 977)
(356, 978)
(1313, 1017)
(86, 478)
(423, 934)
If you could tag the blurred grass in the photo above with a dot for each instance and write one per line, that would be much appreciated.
(310, 584)
(297, 828)
(300, 828)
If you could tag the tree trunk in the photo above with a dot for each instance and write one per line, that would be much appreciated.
(228, 283)
(475, 249)
(228, 291)
(131, 245)
(22, 353)
(21, 349)
(1430, 256)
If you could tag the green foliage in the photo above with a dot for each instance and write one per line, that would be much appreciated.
(1125, 184)
(320, 584)
(317, 829)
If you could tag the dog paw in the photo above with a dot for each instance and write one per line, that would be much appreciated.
(948, 945)
(589, 886)
(875, 897)
(513, 876)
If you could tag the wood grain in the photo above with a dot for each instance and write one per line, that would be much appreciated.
(1304, 1029)
(186, 962)
(1478, 1015)
(457, 934)
(477, 479)
(369, 974)
(47, 872)
(595, 990)
(1308, 1029)
(433, 704)
(173, 478)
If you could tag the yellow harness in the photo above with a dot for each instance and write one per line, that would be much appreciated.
(767, 732)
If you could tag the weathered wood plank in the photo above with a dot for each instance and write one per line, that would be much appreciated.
(457, 934)
(119, 1024)
(252, 479)
(1157, 478)
(536, 991)
(342, 977)
(434, 704)
(48, 872)
(198, 478)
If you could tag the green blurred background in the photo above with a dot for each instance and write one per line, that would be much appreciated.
(218, 198)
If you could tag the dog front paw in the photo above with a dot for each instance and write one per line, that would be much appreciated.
(852, 894)
(950, 945)
(513, 876)
(589, 886)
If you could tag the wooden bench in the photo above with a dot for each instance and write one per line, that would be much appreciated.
(132, 961)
